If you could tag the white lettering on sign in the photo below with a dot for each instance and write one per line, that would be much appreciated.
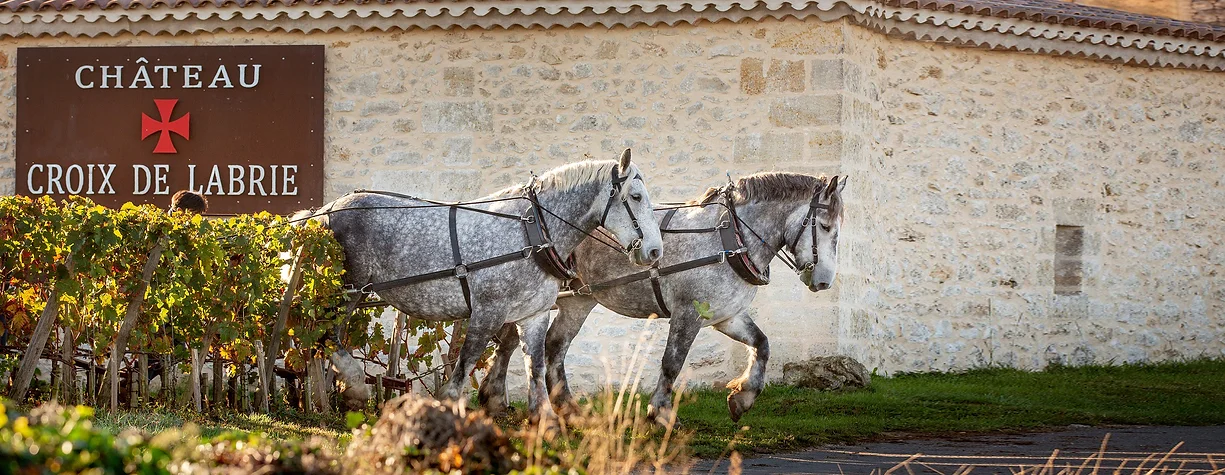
(160, 174)
(80, 83)
(95, 179)
(112, 77)
(237, 180)
(52, 178)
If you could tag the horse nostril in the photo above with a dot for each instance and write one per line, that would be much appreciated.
(822, 286)
(653, 254)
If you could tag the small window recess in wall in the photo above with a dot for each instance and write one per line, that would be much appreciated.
(1069, 266)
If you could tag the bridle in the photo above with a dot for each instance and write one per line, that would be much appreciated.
(821, 200)
(617, 182)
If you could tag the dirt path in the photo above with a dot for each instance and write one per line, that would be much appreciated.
(1006, 453)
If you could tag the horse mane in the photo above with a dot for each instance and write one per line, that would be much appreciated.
(773, 186)
(572, 175)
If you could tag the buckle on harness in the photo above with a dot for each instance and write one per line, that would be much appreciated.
(584, 290)
(528, 218)
(653, 272)
(365, 289)
(461, 271)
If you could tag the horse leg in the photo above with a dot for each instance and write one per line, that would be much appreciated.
(682, 330)
(481, 328)
(573, 311)
(532, 331)
(746, 388)
(492, 395)
(350, 371)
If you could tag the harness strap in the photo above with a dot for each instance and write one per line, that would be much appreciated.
(440, 274)
(663, 226)
(663, 223)
(461, 272)
(437, 204)
(663, 271)
(654, 274)
(543, 252)
(741, 263)
(659, 294)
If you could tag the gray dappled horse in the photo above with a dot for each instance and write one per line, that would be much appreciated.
(387, 238)
(801, 213)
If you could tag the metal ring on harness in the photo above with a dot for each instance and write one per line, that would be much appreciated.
(461, 271)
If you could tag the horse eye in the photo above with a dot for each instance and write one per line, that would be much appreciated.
(636, 196)
(825, 228)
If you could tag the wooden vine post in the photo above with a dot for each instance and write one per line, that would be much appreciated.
(34, 351)
(68, 367)
(393, 360)
(112, 371)
(132, 316)
(142, 362)
(278, 329)
(195, 379)
(264, 386)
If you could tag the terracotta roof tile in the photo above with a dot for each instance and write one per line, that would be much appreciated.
(1065, 13)
(1044, 11)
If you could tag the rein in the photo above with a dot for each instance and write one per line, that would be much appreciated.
(734, 252)
(540, 245)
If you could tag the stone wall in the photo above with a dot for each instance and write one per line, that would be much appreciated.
(979, 155)
(1207, 11)
(1176, 9)
(961, 163)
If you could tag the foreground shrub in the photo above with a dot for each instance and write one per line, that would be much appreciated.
(417, 434)
(54, 439)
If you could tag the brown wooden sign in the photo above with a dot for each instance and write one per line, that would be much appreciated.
(242, 124)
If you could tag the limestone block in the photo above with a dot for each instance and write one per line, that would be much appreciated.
(456, 117)
(827, 373)
(806, 111)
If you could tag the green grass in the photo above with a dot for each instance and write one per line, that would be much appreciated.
(281, 426)
(788, 418)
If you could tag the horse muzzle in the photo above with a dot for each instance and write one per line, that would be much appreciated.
(644, 256)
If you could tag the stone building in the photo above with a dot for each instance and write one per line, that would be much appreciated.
(1203, 11)
(1031, 181)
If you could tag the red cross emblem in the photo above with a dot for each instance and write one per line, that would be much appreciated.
(149, 126)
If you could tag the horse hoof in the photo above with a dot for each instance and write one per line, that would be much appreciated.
(547, 427)
(567, 408)
(665, 418)
(739, 403)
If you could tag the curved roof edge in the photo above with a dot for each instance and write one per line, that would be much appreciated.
(1126, 39)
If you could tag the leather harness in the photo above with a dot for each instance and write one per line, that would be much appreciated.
(735, 252)
(539, 244)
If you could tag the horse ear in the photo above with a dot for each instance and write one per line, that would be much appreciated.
(831, 187)
(842, 186)
(625, 161)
